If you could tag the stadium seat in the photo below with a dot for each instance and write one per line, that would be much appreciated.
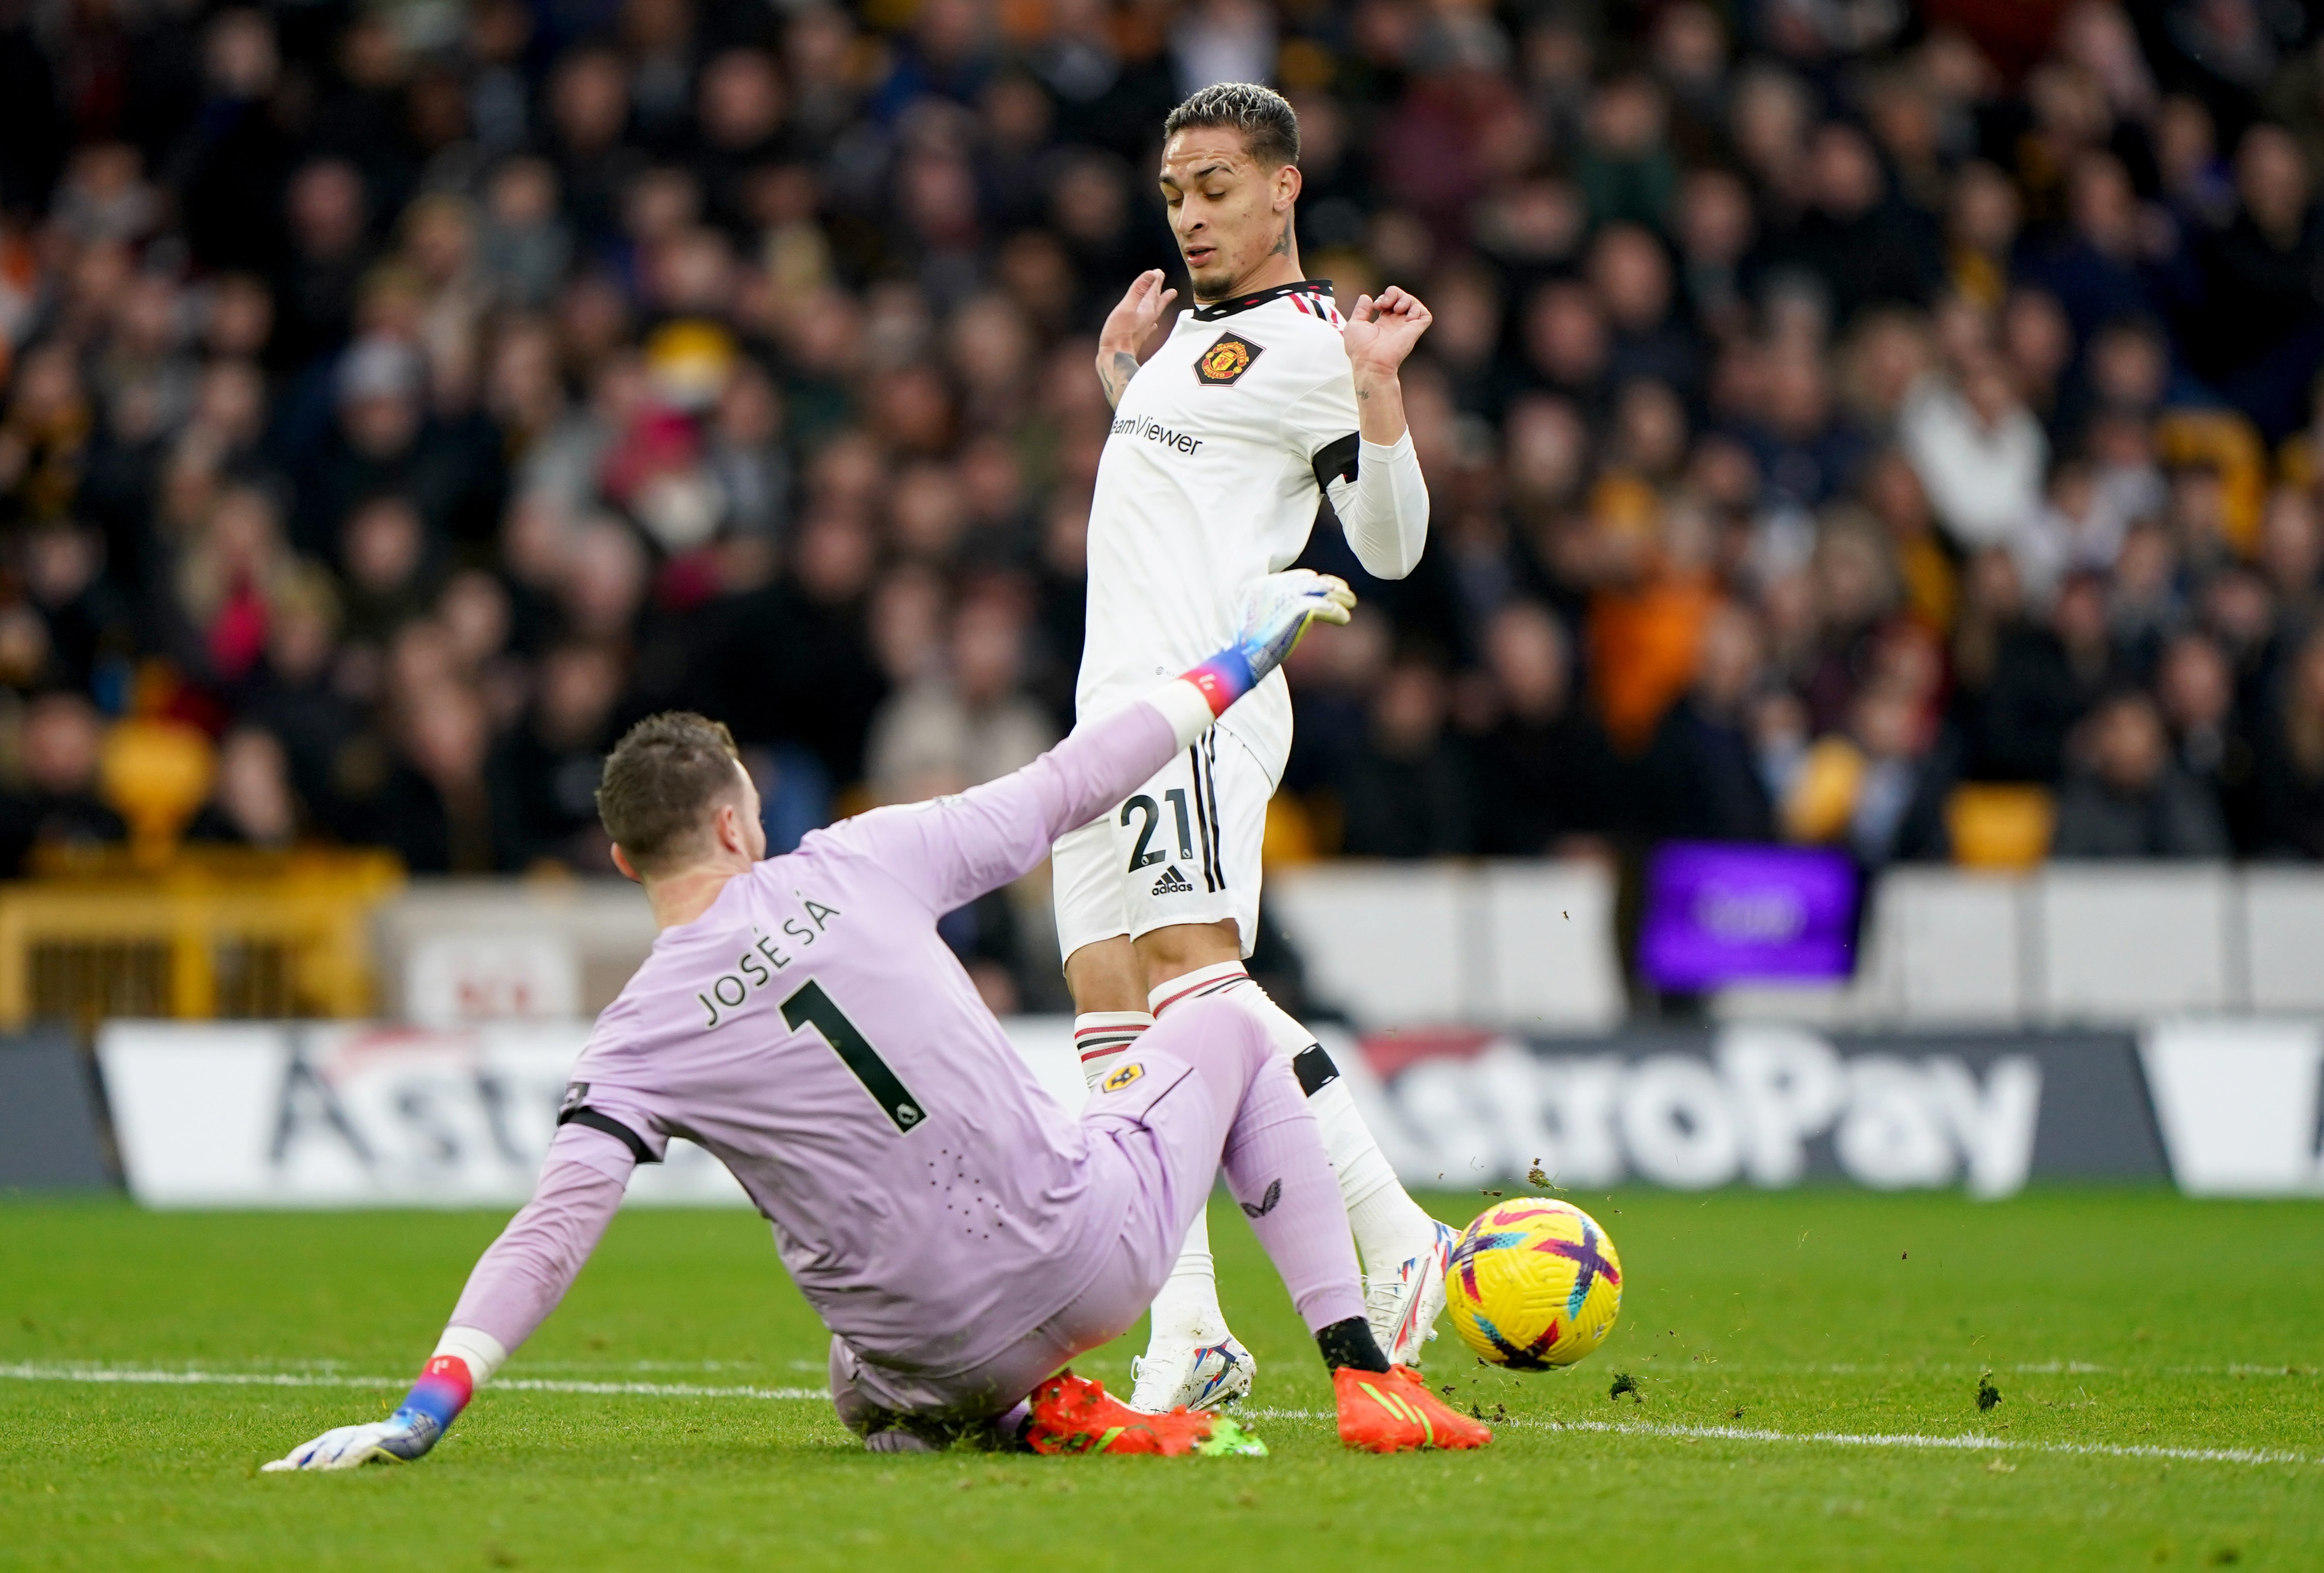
(155, 774)
(2225, 443)
(1818, 807)
(1290, 836)
(2000, 825)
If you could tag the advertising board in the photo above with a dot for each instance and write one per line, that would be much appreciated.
(342, 1115)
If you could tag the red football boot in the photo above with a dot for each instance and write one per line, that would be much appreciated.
(1395, 1412)
(1073, 1414)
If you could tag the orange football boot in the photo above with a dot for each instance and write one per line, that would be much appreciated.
(1393, 1411)
(1073, 1414)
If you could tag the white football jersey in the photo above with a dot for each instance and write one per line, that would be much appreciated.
(1211, 477)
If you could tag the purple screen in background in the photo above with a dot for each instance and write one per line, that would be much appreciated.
(1718, 913)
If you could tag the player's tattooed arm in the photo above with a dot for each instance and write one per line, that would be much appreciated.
(1379, 335)
(1114, 370)
(1127, 328)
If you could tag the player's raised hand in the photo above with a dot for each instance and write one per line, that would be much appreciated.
(401, 1436)
(1278, 609)
(1127, 328)
(1132, 321)
(1380, 332)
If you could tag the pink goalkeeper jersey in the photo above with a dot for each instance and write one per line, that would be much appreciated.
(813, 1031)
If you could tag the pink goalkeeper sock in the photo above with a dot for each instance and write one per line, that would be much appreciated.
(1274, 1159)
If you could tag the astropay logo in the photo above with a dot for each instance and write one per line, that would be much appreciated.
(1752, 1108)
(2240, 1104)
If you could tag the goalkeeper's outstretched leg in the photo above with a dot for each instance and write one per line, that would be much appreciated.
(1204, 1091)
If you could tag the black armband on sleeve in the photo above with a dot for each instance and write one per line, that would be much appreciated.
(1315, 1069)
(1336, 461)
(611, 1127)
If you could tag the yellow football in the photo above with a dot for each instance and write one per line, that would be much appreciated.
(1534, 1282)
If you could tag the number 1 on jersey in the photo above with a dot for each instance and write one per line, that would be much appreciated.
(1177, 798)
(809, 1005)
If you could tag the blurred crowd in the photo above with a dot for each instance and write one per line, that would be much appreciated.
(1846, 420)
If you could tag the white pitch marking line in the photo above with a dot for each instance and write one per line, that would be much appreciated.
(114, 1373)
(1968, 1443)
(1719, 1369)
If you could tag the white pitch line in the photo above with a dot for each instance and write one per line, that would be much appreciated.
(667, 1390)
(115, 1373)
(1722, 1369)
(1970, 1442)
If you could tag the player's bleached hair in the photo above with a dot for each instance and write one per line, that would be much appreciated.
(661, 783)
(1263, 115)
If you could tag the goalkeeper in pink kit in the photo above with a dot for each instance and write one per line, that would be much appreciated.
(962, 1236)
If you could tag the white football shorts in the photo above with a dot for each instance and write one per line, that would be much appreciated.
(1183, 848)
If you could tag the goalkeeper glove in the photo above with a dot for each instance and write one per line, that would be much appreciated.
(428, 1411)
(1275, 612)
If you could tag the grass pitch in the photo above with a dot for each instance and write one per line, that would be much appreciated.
(1806, 1369)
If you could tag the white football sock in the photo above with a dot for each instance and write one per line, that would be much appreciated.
(1390, 1227)
(1186, 1309)
(1100, 1036)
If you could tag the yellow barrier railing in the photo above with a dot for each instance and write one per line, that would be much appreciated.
(217, 933)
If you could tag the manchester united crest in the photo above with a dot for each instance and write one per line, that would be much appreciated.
(1226, 360)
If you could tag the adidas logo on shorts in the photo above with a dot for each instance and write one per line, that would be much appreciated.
(1173, 883)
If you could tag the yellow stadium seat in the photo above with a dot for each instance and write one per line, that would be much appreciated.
(1290, 834)
(1996, 825)
(2231, 445)
(156, 774)
(1822, 797)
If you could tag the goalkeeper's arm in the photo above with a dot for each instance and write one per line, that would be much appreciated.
(954, 849)
(516, 1283)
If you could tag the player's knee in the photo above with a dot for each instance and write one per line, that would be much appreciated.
(1220, 1032)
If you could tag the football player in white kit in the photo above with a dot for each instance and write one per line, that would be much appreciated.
(1262, 400)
